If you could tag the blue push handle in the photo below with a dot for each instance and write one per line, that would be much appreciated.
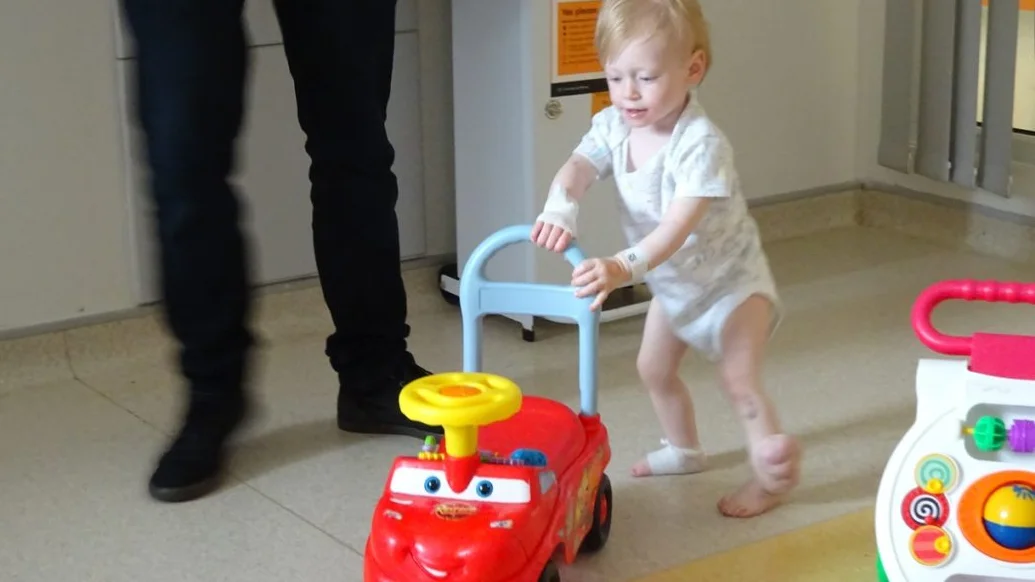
(480, 297)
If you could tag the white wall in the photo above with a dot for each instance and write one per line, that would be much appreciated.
(870, 55)
(62, 212)
(64, 221)
(784, 89)
(796, 86)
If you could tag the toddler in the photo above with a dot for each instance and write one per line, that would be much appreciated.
(690, 235)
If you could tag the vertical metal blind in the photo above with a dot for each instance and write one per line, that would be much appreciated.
(930, 93)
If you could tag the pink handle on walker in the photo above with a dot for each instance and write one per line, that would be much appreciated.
(964, 290)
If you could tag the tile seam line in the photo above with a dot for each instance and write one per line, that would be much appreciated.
(233, 475)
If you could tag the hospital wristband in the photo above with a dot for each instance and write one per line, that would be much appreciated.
(635, 261)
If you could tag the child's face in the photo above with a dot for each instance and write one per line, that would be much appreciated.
(648, 81)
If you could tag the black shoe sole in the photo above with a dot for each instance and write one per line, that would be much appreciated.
(186, 493)
(382, 428)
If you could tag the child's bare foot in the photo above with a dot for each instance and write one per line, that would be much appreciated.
(776, 462)
(670, 460)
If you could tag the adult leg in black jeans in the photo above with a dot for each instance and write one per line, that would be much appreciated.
(340, 53)
(191, 72)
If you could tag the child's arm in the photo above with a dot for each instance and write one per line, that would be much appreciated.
(555, 227)
(703, 172)
(678, 222)
(601, 276)
(575, 176)
(590, 161)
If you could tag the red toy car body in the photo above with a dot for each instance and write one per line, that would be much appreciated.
(518, 483)
(511, 530)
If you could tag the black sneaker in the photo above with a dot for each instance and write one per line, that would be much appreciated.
(379, 412)
(193, 465)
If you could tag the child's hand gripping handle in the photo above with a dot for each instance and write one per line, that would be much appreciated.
(963, 290)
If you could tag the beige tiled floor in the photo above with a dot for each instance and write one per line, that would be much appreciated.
(840, 549)
(83, 413)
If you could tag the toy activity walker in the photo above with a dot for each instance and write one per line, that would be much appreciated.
(518, 482)
(957, 498)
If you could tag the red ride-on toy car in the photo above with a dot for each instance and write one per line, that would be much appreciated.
(518, 483)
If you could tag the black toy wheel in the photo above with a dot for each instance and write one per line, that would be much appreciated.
(528, 334)
(601, 529)
(550, 573)
(449, 271)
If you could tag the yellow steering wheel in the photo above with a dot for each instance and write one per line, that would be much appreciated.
(460, 402)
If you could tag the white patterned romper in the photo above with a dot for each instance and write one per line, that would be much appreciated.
(722, 263)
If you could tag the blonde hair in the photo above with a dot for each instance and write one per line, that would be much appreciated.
(681, 21)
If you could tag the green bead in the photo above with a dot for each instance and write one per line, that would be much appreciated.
(882, 576)
(989, 434)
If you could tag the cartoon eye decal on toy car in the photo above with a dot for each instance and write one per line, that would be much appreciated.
(432, 483)
(484, 489)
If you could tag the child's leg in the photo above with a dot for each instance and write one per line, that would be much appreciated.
(658, 365)
(775, 457)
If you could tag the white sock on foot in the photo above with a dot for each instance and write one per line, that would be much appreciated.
(673, 460)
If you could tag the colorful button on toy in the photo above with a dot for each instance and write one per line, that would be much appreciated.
(921, 508)
(937, 474)
(931, 546)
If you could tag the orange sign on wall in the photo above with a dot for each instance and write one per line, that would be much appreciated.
(576, 29)
(1026, 5)
(600, 102)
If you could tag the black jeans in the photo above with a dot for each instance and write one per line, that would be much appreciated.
(191, 77)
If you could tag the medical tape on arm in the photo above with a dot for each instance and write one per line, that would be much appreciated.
(560, 209)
